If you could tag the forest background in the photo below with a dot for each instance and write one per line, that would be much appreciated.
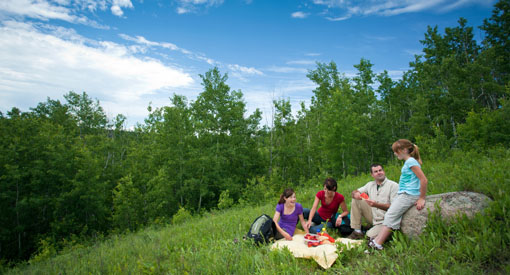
(68, 173)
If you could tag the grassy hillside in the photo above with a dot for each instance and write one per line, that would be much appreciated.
(212, 243)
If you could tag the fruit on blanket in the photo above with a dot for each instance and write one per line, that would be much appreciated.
(364, 196)
(328, 238)
(314, 244)
(310, 237)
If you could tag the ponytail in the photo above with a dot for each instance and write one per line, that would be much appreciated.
(415, 153)
(412, 149)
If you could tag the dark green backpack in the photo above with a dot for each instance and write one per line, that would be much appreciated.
(262, 230)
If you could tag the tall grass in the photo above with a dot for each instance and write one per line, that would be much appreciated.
(212, 243)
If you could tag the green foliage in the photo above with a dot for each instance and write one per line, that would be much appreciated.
(45, 251)
(225, 200)
(181, 216)
(68, 173)
(127, 205)
(486, 128)
(468, 245)
(258, 190)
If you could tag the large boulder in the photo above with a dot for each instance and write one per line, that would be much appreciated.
(451, 204)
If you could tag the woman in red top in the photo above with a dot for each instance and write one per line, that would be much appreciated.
(330, 202)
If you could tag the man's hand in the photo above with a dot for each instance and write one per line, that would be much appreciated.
(356, 195)
(370, 202)
(420, 203)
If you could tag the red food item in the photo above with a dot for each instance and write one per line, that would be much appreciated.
(314, 244)
(364, 196)
(330, 239)
(310, 237)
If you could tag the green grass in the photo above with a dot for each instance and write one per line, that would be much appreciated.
(207, 244)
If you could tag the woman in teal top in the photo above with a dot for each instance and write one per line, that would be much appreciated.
(412, 190)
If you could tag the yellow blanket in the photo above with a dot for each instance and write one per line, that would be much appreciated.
(325, 255)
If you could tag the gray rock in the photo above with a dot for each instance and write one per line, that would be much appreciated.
(451, 204)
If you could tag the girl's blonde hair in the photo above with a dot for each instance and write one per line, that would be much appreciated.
(411, 148)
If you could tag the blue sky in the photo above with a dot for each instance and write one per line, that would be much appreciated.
(132, 53)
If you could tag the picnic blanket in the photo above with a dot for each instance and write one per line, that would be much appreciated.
(325, 255)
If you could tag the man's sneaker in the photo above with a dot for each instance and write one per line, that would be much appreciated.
(356, 236)
(372, 245)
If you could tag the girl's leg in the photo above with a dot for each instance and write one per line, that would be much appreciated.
(383, 235)
(393, 216)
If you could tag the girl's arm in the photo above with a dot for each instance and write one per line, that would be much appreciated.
(303, 223)
(345, 212)
(312, 212)
(276, 217)
(420, 203)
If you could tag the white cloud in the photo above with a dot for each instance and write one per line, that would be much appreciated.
(143, 41)
(301, 62)
(286, 70)
(144, 44)
(37, 9)
(241, 72)
(62, 9)
(236, 70)
(181, 10)
(36, 64)
(117, 6)
(294, 90)
(341, 18)
(350, 8)
(299, 14)
(190, 6)
(245, 70)
(413, 52)
(116, 10)
(396, 74)
(379, 38)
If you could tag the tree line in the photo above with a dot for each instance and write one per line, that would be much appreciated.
(68, 171)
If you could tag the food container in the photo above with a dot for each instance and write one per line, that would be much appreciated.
(311, 238)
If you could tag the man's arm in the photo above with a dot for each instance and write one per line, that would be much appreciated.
(383, 206)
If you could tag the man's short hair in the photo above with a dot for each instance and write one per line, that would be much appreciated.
(375, 165)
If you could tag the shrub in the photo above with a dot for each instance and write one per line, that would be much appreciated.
(181, 216)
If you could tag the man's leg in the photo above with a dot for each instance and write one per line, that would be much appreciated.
(359, 209)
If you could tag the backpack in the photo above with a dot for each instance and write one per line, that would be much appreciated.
(262, 230)
(345, 228)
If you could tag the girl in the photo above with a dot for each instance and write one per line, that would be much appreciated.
(288, 211)
(330, 202)
(412, 190)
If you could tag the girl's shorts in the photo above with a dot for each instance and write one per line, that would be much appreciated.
(398, 207)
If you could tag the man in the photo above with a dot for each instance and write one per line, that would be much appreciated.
(381, 192)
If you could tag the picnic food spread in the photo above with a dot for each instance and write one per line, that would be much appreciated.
(312, 240)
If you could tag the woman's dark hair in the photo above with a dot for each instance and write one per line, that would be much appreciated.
(330, 184)
(285, 195)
